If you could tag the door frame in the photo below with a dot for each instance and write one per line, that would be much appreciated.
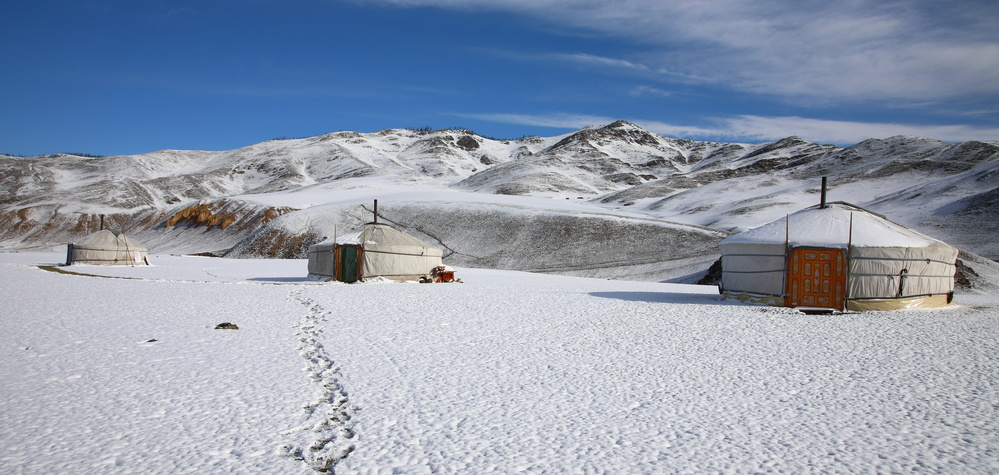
(357, 251)
(816, 277)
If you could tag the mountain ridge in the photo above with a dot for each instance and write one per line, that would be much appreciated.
(620, 169)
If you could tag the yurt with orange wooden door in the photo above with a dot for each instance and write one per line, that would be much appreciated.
(838, 256)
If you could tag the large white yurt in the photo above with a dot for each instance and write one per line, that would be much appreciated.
(373, 251)
(838, 256)
(107, 248)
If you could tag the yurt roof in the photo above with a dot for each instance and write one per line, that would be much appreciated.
(377, 234)
(831, 227)
(351, 237)
(106, 239)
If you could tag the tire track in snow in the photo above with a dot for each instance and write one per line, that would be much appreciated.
(326, 435)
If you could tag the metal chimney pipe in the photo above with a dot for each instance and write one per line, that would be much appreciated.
(822, 203)
(376, 211)
(102, 222)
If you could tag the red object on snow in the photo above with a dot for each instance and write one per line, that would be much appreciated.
(442, 274)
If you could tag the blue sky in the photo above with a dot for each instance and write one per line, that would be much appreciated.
(127, 76)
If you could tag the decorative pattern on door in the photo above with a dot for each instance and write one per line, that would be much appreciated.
(816, 278)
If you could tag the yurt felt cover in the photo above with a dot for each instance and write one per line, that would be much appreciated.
(393, 254)
(387, 252)
(878, 252)
(321, 259)
(107, 248)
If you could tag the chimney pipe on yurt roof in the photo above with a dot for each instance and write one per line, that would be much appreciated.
(376, 211)
(822, 202)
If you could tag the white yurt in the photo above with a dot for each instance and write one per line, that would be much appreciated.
(373, 251)
(838, 256)
(107, 248)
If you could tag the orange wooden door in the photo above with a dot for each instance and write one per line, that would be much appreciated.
(816, 278)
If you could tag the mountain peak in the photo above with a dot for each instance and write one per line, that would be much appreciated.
(621, 124)
(621, 130)
(620, 164)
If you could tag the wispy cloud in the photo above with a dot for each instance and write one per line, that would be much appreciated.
(585, 60)
(557, 121)
(856, 50)
(577, 121)
(846, 132)
(646, 90)
(758, 128)
(600, 61)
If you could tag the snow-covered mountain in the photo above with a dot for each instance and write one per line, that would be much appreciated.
(614, 200)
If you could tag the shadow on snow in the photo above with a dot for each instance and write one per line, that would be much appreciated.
(284, 280)
(666, 297)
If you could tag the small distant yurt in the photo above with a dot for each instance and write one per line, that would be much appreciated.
(373, 251)
(107, 248)
(838, 256)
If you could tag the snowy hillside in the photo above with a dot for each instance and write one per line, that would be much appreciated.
(506, 372)
(466, 192)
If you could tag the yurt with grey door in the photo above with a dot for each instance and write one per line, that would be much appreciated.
(107, 248)
(838, 256)
(373, 251)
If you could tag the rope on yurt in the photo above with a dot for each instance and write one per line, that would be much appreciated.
(364, 243)
(117, 247)
(849, 247)
(787, 254)
(119, 239)
(336, 256)
(128, 252)
(901, 283)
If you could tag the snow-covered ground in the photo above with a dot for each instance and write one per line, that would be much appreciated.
(505, 372)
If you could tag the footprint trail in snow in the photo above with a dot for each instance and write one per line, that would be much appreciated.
(326, 435)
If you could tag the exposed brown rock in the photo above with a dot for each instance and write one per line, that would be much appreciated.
(202, 214)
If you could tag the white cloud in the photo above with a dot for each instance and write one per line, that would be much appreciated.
(679, 131)
(578, 121)
(817, 50)
(846, 132)
(646, 90)
(760, 129)
(557, 121)
(600, 61)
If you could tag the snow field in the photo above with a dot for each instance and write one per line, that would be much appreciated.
(84, 390)
(585, 375)
(505, 372)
